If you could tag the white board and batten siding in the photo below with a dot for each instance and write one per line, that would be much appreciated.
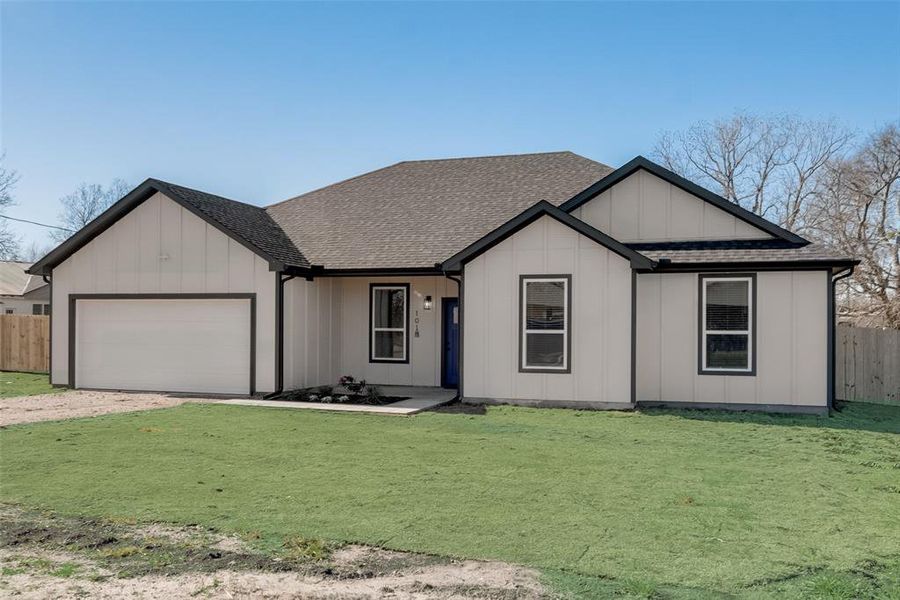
(791, 344)
(327, 331)
(162, 248)
(600, 320)
(644, 208)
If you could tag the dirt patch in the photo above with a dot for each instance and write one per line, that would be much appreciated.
(43, 556)
(82, 403)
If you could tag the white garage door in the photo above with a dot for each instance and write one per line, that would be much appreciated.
(173, 345)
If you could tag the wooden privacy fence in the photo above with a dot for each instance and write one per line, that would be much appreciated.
(25, 343)
(867, 364)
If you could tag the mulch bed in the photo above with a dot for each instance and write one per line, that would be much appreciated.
(303, 396)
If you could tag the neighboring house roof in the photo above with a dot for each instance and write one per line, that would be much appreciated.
(250, 225)
(529, 216)
(640, 162)
(14, 281)
(415, 214)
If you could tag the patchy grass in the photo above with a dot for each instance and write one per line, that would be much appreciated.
(24, 384)
(639, 505)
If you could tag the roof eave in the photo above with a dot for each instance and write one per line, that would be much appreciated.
(663, 266)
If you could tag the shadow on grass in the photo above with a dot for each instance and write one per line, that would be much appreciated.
(879, 418)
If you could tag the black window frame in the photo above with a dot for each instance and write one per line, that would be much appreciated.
(701, 325)
(568, 330)
(407, 348)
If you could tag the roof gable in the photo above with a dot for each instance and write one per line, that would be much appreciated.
(249, 225)
(543, 208)
(640, 163)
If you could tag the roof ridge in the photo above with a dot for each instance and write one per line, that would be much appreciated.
(425, 160)
(483, 156)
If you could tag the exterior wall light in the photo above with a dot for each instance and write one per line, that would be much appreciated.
(427, 304)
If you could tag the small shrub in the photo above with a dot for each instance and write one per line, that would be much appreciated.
(324, 390)
(343, 399)
(312, 398)
(326, 399)
(350, 382)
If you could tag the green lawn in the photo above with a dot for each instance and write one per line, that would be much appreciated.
(684, 504)
(24, 384)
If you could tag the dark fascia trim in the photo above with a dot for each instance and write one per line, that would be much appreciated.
(701, 369)
(787, 265)
(407, 301)
(569, 322)
(73, 298)
(641, 162)
(121, 208)
(797, 409)
(455, 263)
(774, 244)
(378, 272)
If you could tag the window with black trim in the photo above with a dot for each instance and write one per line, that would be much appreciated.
(545, 302)
(389, 323)
(726, 324)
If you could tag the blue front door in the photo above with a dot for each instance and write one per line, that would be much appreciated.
(450, 339)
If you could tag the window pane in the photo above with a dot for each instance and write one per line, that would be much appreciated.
(35, 309)
(389, 311)
(727, 306)
(388, 344)
(544, 349)
(46, 309)
(727, 351)
(545, 306)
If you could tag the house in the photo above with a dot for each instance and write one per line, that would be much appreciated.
(539, 279)
(21, 293)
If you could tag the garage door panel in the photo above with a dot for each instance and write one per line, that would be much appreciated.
(180, 345)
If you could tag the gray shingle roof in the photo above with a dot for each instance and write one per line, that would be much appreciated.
(812, 252)
(418, 213)
(243, 220)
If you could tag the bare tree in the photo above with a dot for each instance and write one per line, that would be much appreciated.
(856, 210)
(767, 165)
(809, 177)
(34, 251)
(9, 241)
(84, 204)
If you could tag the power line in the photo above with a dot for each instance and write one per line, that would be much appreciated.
(36, 223)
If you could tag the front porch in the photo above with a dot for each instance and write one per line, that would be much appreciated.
(388, 331)
(418, 399)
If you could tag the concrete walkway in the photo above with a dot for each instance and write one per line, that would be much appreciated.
(418, 399)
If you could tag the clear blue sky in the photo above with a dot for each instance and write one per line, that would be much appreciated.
(262, 101)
